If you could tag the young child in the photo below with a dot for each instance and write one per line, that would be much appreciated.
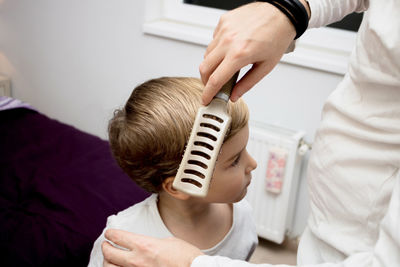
(148, 138)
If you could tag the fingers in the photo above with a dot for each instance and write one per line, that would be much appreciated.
(219, 66)
(217, 35)
(219, 77)
(251, 78)
(114, 256)
(211, 46)
(108, 264)
(210, 62)
(147, 251)
(219, 26)
(256, 33)
(205, 67)
(123, 238)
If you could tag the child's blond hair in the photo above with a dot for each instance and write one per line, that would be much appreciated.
(148, 136)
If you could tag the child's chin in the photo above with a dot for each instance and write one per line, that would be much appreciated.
(241, 196)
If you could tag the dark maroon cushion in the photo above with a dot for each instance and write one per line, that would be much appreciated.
(58, 185)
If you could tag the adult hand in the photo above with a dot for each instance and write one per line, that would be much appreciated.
(147, 251)
(256, 33)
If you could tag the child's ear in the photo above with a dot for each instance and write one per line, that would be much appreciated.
(167, 186)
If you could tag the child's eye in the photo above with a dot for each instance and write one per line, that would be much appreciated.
(236, 161)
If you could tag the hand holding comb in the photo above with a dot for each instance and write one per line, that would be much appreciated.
(205, 141)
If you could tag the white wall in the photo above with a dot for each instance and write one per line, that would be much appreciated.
(77, 60)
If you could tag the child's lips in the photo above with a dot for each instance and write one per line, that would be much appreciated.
(249, 182)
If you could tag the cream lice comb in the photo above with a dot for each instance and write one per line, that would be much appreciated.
(205, 141)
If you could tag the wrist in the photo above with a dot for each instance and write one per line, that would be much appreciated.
(307, 7)
(296, 11)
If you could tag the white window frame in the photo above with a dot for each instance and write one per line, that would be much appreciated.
(325, 49)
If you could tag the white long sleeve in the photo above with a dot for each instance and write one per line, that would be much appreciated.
(329, 11)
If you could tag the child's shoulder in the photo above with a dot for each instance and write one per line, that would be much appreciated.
(138, 210)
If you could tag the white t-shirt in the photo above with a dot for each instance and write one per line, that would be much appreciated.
(144, 218)
(353, 173)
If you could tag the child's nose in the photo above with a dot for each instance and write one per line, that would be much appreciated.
(252, 164)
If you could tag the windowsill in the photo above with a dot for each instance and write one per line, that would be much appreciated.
(324, 49)
(195, 34)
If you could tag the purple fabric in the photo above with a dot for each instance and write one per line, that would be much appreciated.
(57, 187)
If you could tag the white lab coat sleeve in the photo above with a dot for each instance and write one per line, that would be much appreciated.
(324, 12)
(386, 252)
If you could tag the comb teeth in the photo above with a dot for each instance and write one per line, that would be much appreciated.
(205, 141)
(196, 169)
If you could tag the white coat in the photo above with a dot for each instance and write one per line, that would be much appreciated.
(353, 174)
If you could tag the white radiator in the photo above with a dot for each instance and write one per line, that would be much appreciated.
(273, 189)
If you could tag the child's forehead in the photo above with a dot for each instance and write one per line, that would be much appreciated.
(235, 144)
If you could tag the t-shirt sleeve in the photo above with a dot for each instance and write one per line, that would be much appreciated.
(96, 255)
